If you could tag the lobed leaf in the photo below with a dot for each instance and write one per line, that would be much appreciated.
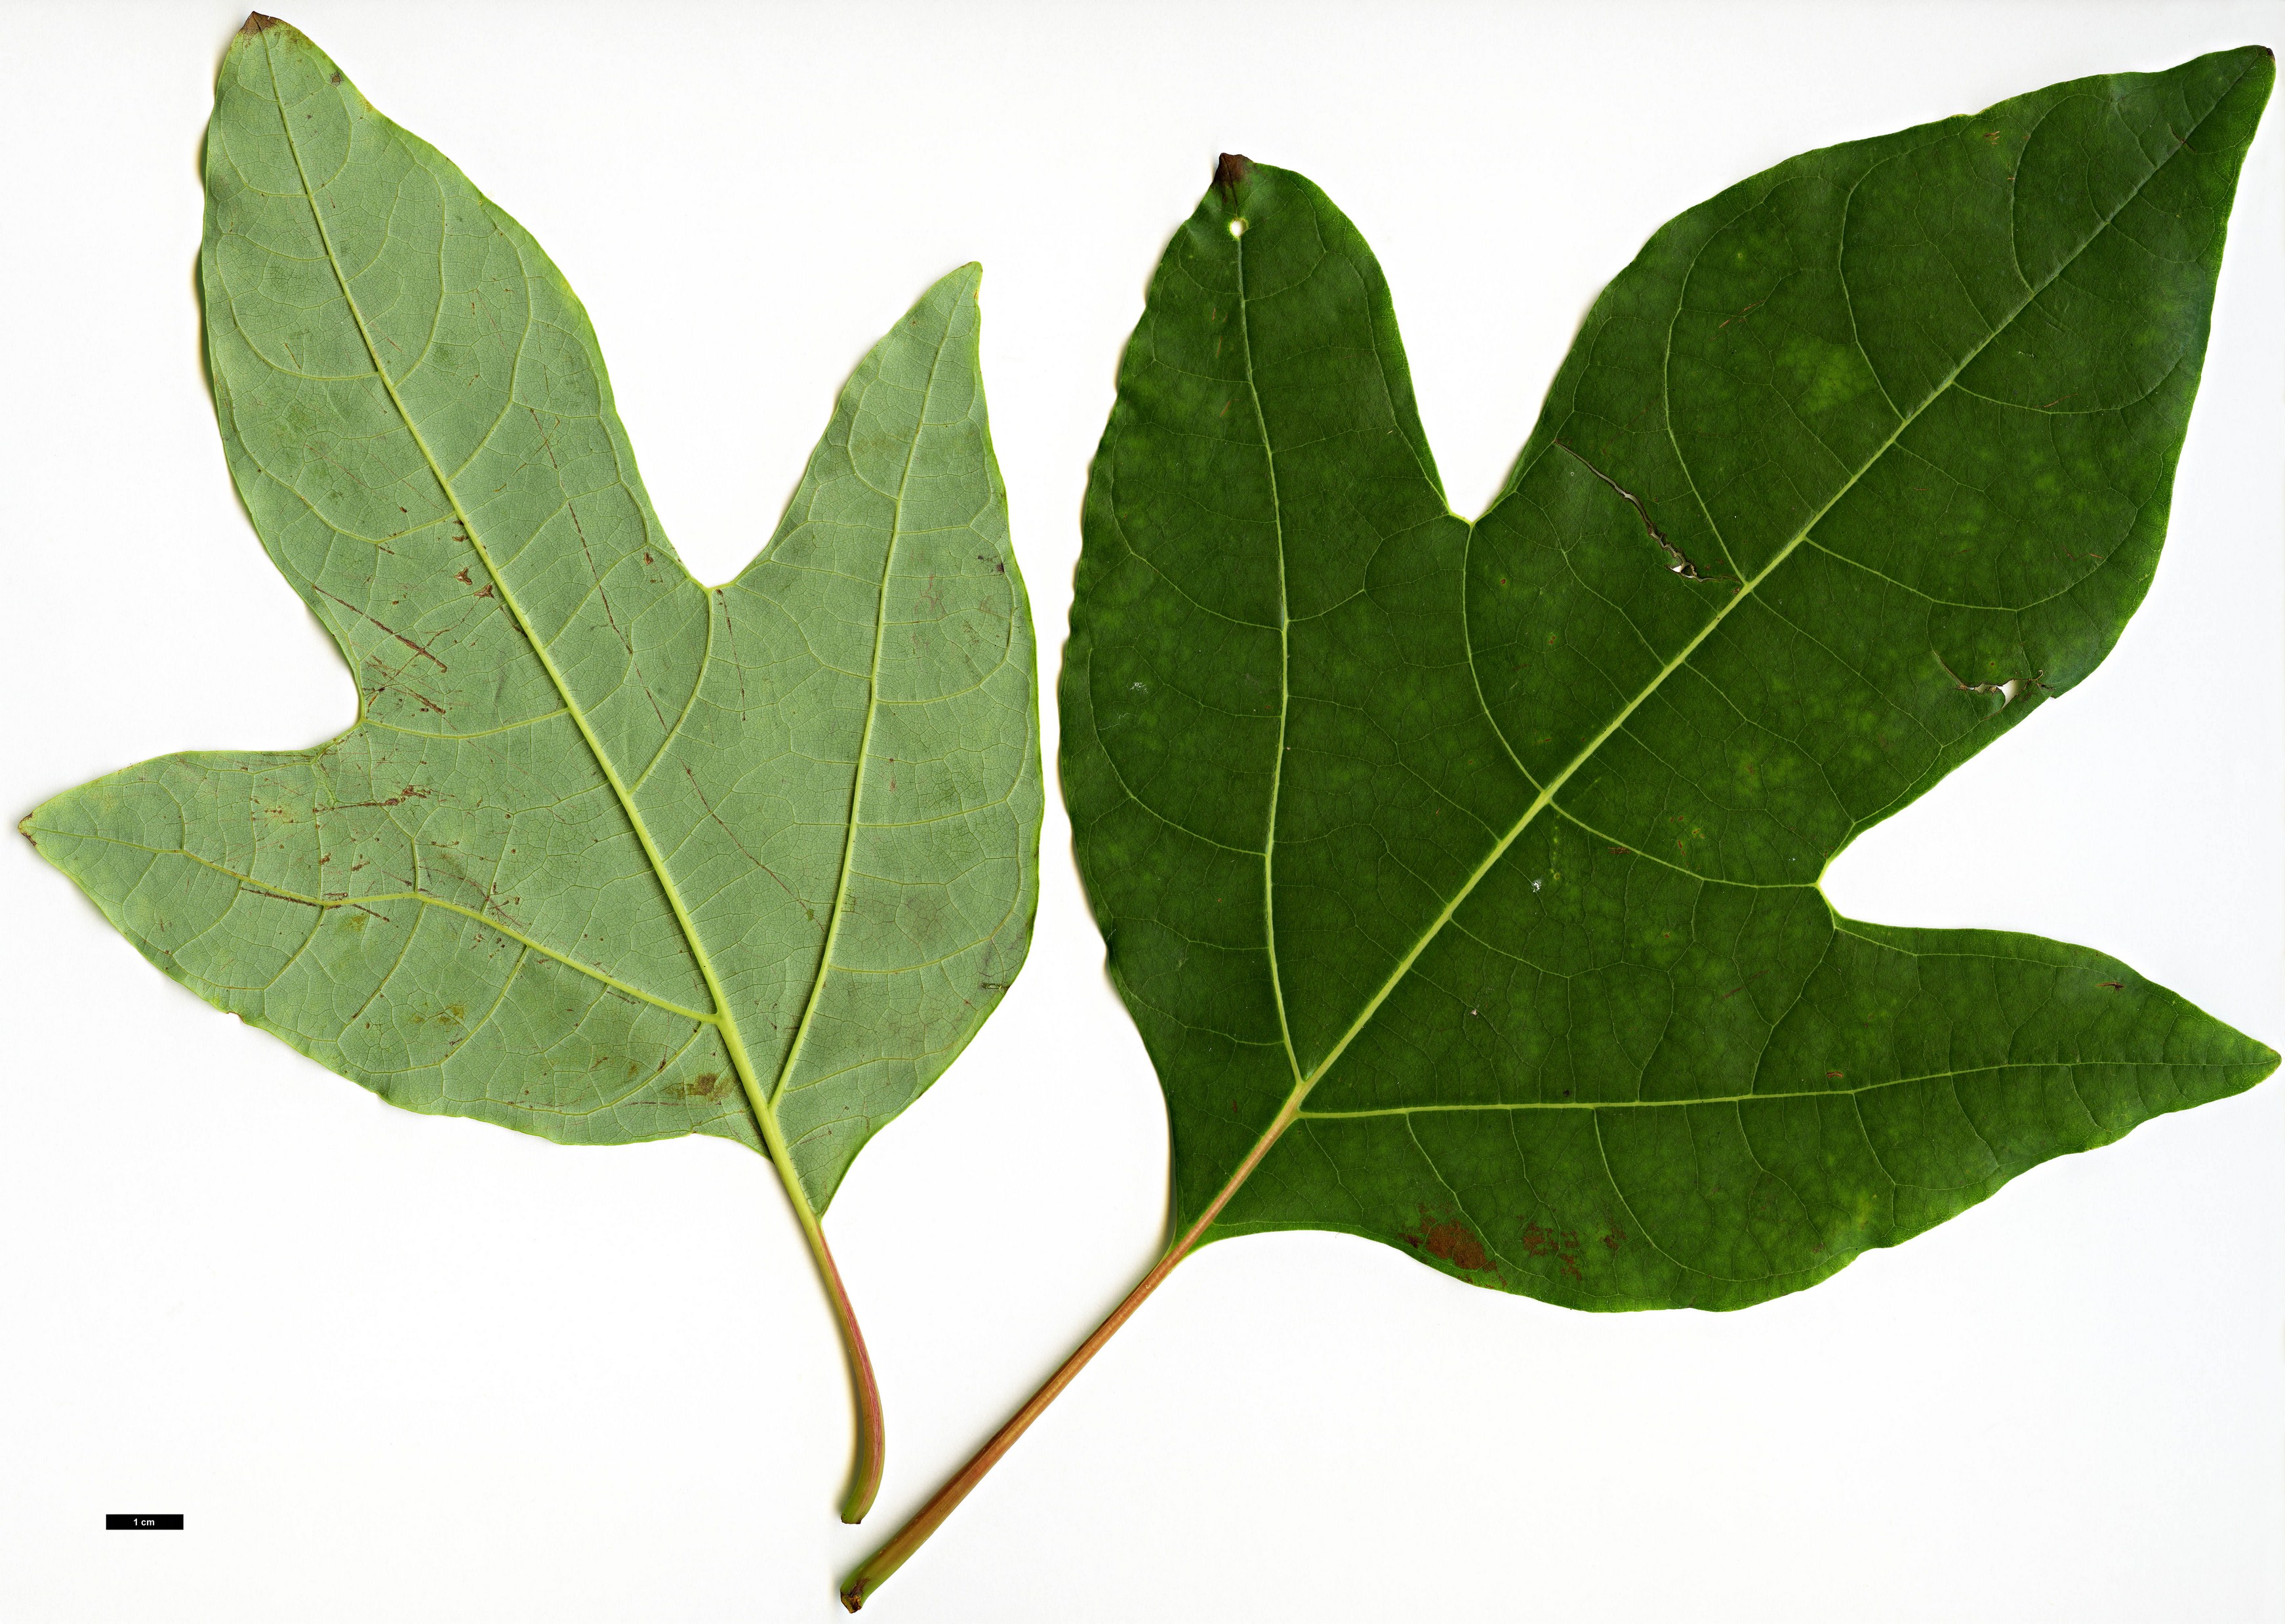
(1463, 879)
(608, 855)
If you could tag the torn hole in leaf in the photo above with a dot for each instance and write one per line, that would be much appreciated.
(1676, 561)
(2006, 690)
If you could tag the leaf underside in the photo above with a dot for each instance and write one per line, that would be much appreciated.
(608, 856)
(1487, 856)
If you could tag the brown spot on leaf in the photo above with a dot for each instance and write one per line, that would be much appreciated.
(1560, 1245)
(705, 1085)
(1231, 172)
(1450, 1240)
(1456, 1245)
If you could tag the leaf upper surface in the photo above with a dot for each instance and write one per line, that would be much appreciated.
(1473, 870)
(608, 855)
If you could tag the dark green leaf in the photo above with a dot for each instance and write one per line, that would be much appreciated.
(1463, 880)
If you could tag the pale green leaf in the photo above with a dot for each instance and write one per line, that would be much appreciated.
(608, 855)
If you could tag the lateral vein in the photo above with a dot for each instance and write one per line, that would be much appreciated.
(865, 739)
(1743, 1099)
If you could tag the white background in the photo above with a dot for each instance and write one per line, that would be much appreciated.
(397, 1368)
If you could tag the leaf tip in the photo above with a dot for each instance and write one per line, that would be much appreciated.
(1230, 172)
(256, 23)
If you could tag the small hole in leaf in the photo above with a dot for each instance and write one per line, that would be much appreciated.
(1237, 228)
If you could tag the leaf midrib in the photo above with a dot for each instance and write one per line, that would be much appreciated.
(725, 1022)
(1290, 1111)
